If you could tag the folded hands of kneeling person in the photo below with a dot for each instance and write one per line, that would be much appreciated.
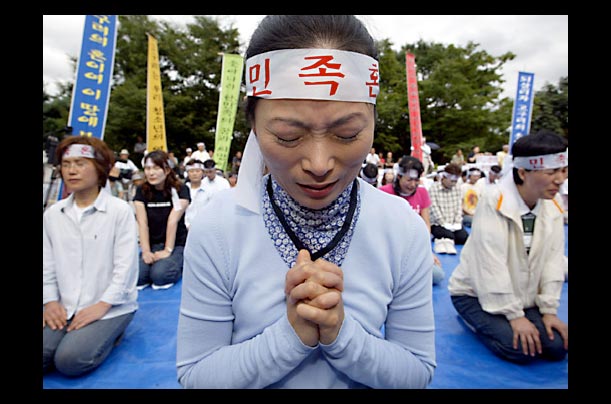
(314, 299)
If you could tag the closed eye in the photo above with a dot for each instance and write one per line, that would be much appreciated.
(288, 140)
(347, 139)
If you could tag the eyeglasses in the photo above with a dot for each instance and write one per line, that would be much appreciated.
(78, 164)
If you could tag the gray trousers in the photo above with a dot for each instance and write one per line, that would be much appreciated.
(76, 352)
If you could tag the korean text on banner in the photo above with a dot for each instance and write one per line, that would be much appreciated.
(92, 85)
(522, 107)
(231, 77)
(413, 105)
(155, 119)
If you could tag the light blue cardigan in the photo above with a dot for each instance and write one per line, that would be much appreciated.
(233, 330)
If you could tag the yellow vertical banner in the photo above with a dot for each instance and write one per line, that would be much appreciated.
(231, 77)
(155, 120)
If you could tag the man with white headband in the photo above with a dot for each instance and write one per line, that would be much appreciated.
(194, 169)
(213, 180)
(508, 283)
(90, 262)
(200, 154)
(470, 190)
(369, 173)
(446, 211)
(289, 283)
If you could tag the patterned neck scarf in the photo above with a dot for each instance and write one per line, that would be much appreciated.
(314, 228)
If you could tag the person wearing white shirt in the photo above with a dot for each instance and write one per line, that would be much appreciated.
(212, 182)
(200, 154)
(188, 157)
(427, 160)
(195, 171)
(372, 157)
(126, 167)
(492, 177)
(185, 161)
(90, 263)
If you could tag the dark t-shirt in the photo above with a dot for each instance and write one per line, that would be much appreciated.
(158, 210)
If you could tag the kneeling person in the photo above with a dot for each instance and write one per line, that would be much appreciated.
(508, 283)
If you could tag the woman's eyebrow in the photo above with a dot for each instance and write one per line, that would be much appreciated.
(338, 122)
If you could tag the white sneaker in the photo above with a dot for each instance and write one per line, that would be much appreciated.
(450, 248)
(159, 287)
(440, 246)
(143, 286)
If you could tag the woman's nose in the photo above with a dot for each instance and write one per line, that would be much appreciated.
(319, 160)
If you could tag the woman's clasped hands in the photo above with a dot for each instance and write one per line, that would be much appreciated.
(314, 299)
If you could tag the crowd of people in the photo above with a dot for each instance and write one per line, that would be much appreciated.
(305, 275)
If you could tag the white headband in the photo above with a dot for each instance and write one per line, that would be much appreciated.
(194, 166)
(319, 74)
(543, 162)
(411, 173)
(471, 172)
(80, 150)
(252, 168)
(451, 177)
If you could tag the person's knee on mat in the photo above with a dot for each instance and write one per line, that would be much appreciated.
(553, 350)
(71, 363)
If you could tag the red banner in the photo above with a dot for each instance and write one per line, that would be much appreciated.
(413, 104)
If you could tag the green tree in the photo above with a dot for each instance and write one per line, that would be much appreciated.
(460, 95)
(55, 110)
(551, 108)
(190, 64)
(392, 124)
(460, 98)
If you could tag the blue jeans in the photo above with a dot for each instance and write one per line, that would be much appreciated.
(496, 333)
(162, 272)
(76, 352)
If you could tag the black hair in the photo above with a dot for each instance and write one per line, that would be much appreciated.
(496, 169)
(160, 158)
(275, 32)
(194, 161)
(370, 172)
(209, 163)
(540, 143)
(405, 164)
(473, 169)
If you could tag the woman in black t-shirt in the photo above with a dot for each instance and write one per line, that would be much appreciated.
(160, 205)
